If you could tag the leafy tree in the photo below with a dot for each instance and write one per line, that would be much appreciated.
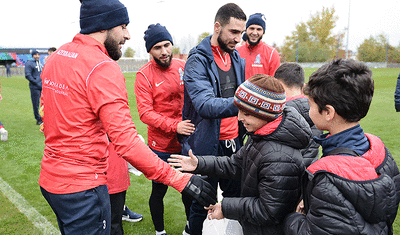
(129, 52)
(376, 49)
(176, 50)
(202, 36)
(313, 40)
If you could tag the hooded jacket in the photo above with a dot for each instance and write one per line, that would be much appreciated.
(269, 166)
(203, 104)
(33, 70)
(349, 194)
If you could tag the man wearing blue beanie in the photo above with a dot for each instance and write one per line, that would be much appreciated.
(33, 70)
(85, 101)
(159, 96)
(260, 57)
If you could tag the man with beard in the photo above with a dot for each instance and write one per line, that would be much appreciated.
(260, 57)
(159, 96)
(85, 100)
(213, 71)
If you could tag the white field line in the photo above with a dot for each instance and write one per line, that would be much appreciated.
(38, 220)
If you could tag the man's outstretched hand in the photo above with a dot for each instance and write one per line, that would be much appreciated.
(201, 191)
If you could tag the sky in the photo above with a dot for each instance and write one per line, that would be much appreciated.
(51, 23)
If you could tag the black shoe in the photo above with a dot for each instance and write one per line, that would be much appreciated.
(39, 122)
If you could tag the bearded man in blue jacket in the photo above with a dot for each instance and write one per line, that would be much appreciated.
(33, 70)
(213, 71)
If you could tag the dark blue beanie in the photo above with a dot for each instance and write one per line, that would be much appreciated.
(154, 34)
(34, 52)
(97, 15)
(257, 19)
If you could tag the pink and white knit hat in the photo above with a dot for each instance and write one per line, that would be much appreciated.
(262, 96)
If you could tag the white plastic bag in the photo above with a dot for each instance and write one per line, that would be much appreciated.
(222, 227)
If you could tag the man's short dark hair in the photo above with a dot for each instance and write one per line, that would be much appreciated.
(227, 11)
(291, 74)
(52, 49)
(346, 85)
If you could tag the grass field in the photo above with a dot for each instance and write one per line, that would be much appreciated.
(20, 157)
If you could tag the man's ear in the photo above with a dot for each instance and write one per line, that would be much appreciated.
(217, 27)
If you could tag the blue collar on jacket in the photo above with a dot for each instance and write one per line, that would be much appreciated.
(352, 138)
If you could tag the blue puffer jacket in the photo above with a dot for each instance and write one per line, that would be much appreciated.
(203, 104)
(33, 71)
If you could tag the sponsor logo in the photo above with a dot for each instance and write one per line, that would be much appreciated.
(67, 54)
(56, 87)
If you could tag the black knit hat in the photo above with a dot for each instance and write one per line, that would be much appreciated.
(156, 33)
(97, 15)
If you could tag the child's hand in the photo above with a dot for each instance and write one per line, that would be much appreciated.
(300, 207)
(183, 163)
(1, 97)
(214, 212)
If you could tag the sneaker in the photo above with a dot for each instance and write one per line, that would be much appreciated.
(4, 134)
(187, 230)
(40, 122)
(131, 216)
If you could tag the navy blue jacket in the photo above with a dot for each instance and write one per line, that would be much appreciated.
(203, 104)
(397, 95)
(32, 73)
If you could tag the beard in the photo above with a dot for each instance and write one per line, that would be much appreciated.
(224, 45)
(112, 47)
(254, 43)
(164, 64)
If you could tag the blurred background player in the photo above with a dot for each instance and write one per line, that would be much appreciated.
(50, 51)
(260, 57)
(33, 70)
(159, 96)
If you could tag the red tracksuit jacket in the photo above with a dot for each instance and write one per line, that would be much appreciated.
(159, 96)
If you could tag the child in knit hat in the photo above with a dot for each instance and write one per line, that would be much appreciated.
(269, 165)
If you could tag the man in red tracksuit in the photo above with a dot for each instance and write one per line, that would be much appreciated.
(159, 96)
(85, 99)
(260, 57)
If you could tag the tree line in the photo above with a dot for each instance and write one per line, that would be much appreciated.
(314, 41)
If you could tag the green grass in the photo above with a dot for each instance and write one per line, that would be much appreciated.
(20, 156)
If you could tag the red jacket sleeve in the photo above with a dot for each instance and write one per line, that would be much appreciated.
(109, 100)
(147, 114)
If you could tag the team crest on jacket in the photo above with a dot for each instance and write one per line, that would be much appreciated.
(257, 61)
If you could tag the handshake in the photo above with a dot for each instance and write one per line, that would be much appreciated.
(197, 187)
